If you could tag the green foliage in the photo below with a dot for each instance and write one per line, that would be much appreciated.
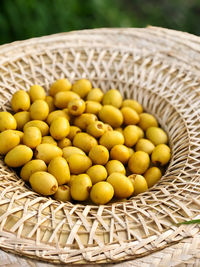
(22, 19)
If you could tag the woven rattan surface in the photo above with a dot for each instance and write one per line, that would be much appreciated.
(159, 68)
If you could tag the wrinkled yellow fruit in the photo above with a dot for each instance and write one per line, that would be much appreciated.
(130, 116)
(161, 155)
(43, 183)
(111, 138)
(73, 130)
(62, 99)
(43, 126)
(112, 97)
(48, 140)
(156, 135)
(144, 145)
(56, 114)
(101, 193)
(82, 87)
(71, 150)
(96, 129)
(47, 152)
(60, 86)
(92, 107)
(18, 156)
(76, 107)
(59, 128)
(84, 120)
(59, 168)
(99, 155)
(7, 121)
(95, 94)
(139, 183)
(97, 173)
(111, 115)
(32, 166)
(8, 140)
(22, 118)
(123, 187)
(139, 162)
(131, 135)
(133, 104)
(20, 101)
(121, 153)
(50, 102)
(84, 141)
(39, 110)
(64, 142)
(147, 120)
(115, 166)
(37, 92)
(79, 163)
(32, 137)
(80, 187)
(63, 193)
(152, 176)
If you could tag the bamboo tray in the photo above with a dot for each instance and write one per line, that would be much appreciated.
(159, 68)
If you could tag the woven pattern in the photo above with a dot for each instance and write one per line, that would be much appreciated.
(43, 228)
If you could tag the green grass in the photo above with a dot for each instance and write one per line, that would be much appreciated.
(22, 19)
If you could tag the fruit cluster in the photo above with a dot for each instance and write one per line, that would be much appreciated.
(79, 143)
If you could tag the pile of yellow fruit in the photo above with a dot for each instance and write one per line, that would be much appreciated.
(81, 144)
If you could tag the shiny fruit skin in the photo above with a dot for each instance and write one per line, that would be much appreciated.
(139, 162)
(101, 193)
(123, 187)
(60, 86)
(32, 166)
(111, 138)
(84, 141)
(71, 150)
(115, 166)
(8, 140)
(18, 156)
(79, 163)
(80, 187)
(7, 121)
(111, 115)
(43, 126)
(156, 135)
(139, 183)
(32, 137)
(59, 168)
(39, 110)
(99, 155)
(43, 183)
(161, 155)
(20, 101)
(97, 173)
(152, 176)
(47, 152)
(59, 128)
(22, 118)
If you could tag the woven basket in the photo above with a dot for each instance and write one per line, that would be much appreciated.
(145, 65)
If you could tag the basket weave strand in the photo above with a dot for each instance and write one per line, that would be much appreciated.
(46, 229)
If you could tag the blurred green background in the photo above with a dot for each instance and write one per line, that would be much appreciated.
(22, 19)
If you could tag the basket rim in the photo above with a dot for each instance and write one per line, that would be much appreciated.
(185, 227)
